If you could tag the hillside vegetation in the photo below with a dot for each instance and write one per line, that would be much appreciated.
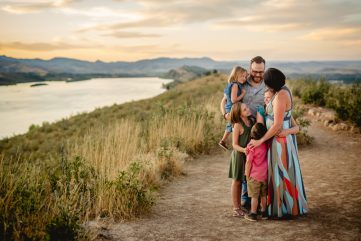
(106, 163)
(344, 99)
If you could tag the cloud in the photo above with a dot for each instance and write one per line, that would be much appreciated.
(123, 34)
(259, 24)
(164, 14)
(117, 29)
(99, 12)
(194, 11)
(142, 23)
(260, 16)
(296, 16)
(34, 7)
(347, 37)
(156, 50)
(39, 46)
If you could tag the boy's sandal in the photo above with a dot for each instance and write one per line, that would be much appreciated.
(237, 212)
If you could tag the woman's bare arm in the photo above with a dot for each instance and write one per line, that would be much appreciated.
(279, 108)
(291, 131)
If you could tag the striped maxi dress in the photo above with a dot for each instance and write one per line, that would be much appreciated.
(286, 193)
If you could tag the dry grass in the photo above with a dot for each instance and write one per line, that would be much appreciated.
(107, 163)
(109, 168)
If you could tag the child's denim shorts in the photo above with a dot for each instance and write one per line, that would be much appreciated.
(229, 127)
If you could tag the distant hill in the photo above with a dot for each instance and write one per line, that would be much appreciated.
(7, 66)
(66, 65)
(350, 70)
(184, 74)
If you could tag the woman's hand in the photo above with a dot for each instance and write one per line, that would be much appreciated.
(282, 133)
(255, 143)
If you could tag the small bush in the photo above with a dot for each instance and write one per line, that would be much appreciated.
(128, 195)
(344, 99)
(316, 92)
(63, 227)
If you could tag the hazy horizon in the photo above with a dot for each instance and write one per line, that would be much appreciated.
(195, 57)
(229, 30)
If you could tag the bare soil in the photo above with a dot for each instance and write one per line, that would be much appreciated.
(197, 206)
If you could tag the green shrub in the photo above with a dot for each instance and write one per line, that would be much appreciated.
(63, 227)
(134, 195)
(35, 205)
(346, 101)
(316, 92)
(303, 138)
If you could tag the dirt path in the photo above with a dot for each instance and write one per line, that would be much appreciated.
(198, 206)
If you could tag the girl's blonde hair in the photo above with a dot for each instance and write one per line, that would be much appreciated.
(235, 71)
(270, 90)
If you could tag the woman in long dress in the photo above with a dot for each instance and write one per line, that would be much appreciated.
(286, 193)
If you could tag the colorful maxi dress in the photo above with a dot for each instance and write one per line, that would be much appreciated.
(286, 193)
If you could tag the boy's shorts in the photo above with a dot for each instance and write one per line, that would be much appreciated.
(256, 188)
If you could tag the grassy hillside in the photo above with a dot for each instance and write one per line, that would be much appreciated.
(106, 163)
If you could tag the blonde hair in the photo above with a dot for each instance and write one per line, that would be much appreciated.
(270, 90)
(235, 71)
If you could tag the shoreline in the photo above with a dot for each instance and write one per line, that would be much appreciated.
(75, 112)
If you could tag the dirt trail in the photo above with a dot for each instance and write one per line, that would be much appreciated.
(198, 206)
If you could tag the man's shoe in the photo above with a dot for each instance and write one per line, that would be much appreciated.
(264, 215)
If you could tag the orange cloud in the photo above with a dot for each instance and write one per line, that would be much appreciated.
(119, 34)
(331, 34)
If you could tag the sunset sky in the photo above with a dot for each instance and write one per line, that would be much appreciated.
(111, 30)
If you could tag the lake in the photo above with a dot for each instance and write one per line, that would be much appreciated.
(22, 105)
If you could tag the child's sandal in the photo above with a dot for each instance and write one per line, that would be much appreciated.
(237, 212)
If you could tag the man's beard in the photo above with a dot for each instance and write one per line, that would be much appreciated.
(256, 79)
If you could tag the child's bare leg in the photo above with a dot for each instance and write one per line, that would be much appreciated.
(225, 136)
(236, 193)
(254, 205)
(263, 203)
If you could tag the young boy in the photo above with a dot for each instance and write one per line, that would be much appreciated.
(256, 172)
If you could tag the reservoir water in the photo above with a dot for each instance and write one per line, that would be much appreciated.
(22, 105)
